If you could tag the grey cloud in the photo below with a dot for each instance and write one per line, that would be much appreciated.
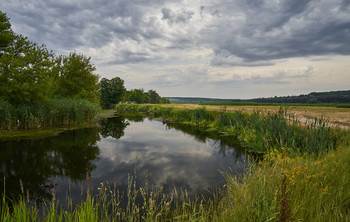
(71, 24)
(266, 30)
(176, 17)
(240, 33)
(124, 57)
(278, 77)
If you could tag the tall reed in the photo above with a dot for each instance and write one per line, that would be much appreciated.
(52, 113)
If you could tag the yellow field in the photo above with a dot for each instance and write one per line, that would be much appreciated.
(337, 116)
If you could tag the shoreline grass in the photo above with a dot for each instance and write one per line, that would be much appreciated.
(57, 112)
(258, 132)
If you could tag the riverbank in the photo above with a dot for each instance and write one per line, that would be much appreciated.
(286, 185)
(337, 116)
(37, 133)
(258, 132)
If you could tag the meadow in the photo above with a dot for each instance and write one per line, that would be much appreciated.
(302, 174)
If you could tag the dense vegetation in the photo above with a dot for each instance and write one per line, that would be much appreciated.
(56, 112)
(113, 92)
(39, 89)
(334, 97)
(285, 185)
(258, 132)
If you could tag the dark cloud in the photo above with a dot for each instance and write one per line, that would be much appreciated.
(176, 17)
(268, 30)
(240, 33)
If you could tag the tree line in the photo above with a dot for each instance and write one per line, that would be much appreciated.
(32, 74)
(113, 92)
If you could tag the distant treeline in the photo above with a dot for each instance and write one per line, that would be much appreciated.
(337, 97)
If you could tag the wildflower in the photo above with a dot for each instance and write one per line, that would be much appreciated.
(325, 189)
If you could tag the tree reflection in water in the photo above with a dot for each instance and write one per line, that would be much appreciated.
(37, 162)
(105, 153)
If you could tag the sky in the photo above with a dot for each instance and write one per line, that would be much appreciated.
(232, 49)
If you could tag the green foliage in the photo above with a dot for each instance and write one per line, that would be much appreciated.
(26, 73)
(153, 97)
(76, 78)
(31, 75)
(52, 113)
(6, 33)
(164, 100)
(136, 95)
(311, 189)
(111, 92)
(139, 96)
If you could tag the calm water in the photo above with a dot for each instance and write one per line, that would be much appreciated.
(172, 156)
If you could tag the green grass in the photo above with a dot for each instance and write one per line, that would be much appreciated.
(258, 132)
(281, 189)
(57, 112)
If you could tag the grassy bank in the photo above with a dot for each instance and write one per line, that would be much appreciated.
(258, 132)
(57, 112)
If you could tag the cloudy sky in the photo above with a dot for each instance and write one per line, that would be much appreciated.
(200, 48)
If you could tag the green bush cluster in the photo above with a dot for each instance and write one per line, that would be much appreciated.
(52, 113)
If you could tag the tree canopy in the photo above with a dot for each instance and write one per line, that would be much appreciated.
(30, 73)
(26, 72)
(76, 78)
(6, 33)
(140, 96)
(111, 91)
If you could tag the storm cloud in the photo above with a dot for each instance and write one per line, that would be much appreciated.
(190, 42)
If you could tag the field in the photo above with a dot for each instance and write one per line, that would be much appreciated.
(336, 116)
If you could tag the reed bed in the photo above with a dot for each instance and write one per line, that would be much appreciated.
(56, 112)
(136, 204)
(258, 132)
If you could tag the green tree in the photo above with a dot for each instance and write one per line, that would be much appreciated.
(164, 100)
(76, 78)
(26, 72)
(153, 96)
(111, 91)
(6, 33)
(136, 95)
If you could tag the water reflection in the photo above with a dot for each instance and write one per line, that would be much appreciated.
(38, 162)
(172, 156)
